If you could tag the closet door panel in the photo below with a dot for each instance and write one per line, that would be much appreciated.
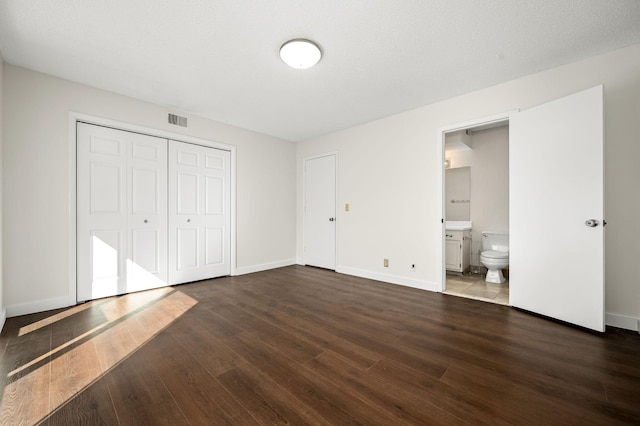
(101, 212)
(145, 250)
(187, 194)
(214, 193)
(199, 212)
(216, 214)
(214, 254)
(186, 212)
(121, 212)
(147, 212)
(106, 263)
(145, 190)
(187, 250)
(105, 185)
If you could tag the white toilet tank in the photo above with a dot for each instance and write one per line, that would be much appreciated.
(495, 241)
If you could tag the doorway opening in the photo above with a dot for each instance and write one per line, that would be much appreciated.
(475, 206)
(556, 208)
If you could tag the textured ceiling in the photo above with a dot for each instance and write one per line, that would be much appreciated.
(219, 59)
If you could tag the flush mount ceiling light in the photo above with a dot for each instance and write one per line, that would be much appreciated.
(300, 53)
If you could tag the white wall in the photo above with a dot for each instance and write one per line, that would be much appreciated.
(388, 172)
(36, 183)
(2, 305)
(489, 185)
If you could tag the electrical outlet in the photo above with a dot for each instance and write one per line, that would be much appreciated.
(346, 207)
(386, 263)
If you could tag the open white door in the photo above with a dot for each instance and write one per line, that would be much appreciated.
(556, 186)
(320, 212)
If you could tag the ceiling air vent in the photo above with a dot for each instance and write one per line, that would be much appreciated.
(177, 120)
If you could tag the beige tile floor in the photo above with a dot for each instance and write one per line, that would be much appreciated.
(474, 286)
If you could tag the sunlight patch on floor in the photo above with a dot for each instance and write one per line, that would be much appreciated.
(53, 318)
(42, 385)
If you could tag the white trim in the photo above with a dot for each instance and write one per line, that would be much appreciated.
(75, 117)
(388, 278)
(37, 306)
(264, 267)
(72, 225)
(621, 321)
(304, 207)
(440, 205)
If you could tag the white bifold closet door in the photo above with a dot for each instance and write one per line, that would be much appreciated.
(199, 212)
(121, 212)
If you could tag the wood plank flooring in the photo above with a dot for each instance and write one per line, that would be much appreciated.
(301, 345)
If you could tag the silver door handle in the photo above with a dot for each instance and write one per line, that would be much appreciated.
(592, 223)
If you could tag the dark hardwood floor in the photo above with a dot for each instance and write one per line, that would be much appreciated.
(300, 345)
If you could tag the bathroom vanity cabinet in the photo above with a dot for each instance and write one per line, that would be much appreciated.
(457, 250)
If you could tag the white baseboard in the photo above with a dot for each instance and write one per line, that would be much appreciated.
(613, 320)
(388, 278)
(63, 302)
(621, 321)
(37, 306)
(264, 267)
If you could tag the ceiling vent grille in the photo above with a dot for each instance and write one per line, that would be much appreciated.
(177, 120)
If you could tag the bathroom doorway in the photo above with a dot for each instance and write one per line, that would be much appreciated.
(476, 202)
(556, 207)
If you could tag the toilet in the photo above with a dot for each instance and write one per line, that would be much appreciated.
(495, 255)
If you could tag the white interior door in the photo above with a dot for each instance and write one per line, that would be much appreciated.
(199, 212)
(320, 212)
(121, 212)
(556, 186)
(147, 213)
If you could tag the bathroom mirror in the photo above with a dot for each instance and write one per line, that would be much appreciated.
(458, 193)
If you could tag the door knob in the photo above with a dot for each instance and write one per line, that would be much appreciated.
(331, 219)
(591, 223)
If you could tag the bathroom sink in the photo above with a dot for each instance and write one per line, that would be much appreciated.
(458, 225)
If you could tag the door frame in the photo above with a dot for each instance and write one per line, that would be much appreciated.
(74, 117)
(441, 274)
(304, 206)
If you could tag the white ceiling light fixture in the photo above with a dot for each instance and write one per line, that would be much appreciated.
(300, 53)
